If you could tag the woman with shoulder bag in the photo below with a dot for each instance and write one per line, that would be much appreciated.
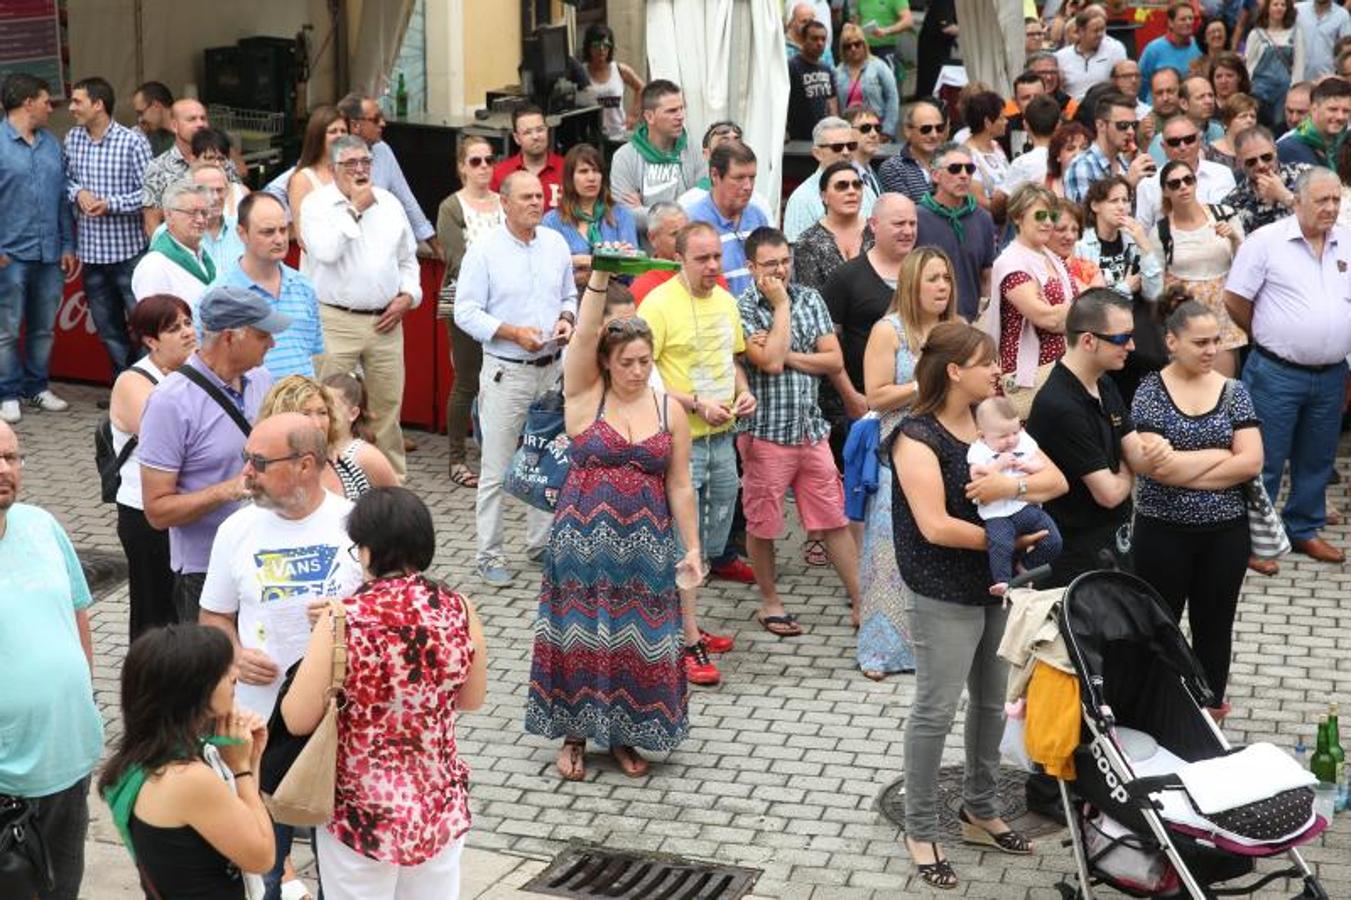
(188, 809)
(415, 658)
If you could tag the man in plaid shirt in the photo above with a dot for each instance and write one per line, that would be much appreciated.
(791, 343)
(104, 165)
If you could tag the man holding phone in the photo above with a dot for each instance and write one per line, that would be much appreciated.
(1113, 152)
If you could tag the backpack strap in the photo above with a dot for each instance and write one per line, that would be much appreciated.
(214, 393)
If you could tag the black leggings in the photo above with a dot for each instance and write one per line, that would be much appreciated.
(150, 581)
(1201, 569)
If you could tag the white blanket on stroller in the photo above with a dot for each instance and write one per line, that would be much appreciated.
(1254, 773)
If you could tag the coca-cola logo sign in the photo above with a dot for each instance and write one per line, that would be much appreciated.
(74, 314)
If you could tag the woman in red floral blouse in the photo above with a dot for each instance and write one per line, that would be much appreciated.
(415, 656)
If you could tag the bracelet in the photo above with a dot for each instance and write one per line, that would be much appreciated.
(242, 774)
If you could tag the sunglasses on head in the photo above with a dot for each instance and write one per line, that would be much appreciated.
(850, 146)
(1119, 340)
(1042, 215)
(851, 185)
(927, 129)
(474, 162)
(629, 325)
(1182, 140)
(726, 131)
(868, 127)
(1262, 158)
(959, 168)
(1124, 125)
(1181, 181)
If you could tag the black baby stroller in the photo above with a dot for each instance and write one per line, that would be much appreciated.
(1161, 804)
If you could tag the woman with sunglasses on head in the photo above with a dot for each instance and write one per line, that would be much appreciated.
(862, 79)
(464, 216)
(587, 215)
(314, 169)
(615, 674)
(607, 80)
(1030, 291)
(838, 236)
(1198, 242)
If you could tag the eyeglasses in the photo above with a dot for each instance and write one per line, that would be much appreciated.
(377, 119)
(1119, 340)
(13, 460)
(1182, 140)
(192, 213)
(927, 129)
(474, 162)
(355, 165)
(260, 462)
(849, 146)
(355, 552)
(1181, 181)
(1042, 215)
(851, 45)
(959, 168)
(854, 185)
(1261, 158)
(867, 128)
(1124, 125)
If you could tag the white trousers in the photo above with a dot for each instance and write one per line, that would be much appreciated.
(347, 875)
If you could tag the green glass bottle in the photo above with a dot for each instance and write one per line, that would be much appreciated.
(632, 263)
(1323, 767)
(401, 99)
(1335, 746)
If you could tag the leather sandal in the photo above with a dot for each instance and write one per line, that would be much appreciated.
(1005, 841)
(629, 761)
(574, 751)
(937, 874)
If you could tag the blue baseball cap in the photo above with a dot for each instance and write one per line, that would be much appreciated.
(226, 306)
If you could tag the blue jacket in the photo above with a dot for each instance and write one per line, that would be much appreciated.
(861, 465)
(879, 91)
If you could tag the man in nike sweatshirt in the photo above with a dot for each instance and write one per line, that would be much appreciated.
(659, 162)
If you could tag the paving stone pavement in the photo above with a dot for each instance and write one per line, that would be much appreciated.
(785, 759)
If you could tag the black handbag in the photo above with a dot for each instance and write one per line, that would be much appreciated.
(25, 866)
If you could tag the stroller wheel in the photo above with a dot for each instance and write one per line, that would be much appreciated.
(1312, 890)
(1068, 891)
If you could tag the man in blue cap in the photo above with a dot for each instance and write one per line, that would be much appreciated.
(194, 427)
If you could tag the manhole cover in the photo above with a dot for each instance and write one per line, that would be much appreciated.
(584, 870)
(102, 569)
(891, 803)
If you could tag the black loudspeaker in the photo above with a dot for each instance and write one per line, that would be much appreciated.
(257, 73)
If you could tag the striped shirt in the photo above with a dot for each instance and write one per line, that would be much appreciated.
(733, 235)
(111, 169)
(295, 348)
(903, 174)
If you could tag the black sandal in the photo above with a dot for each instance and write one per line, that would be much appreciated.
(937, 874)
(1006, 841)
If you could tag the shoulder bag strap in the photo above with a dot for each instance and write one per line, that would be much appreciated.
(338, 621)
(214, 393)
(1227, 395)
(144, 374)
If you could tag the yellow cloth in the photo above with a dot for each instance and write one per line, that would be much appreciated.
(1053, 720)
(694, 340)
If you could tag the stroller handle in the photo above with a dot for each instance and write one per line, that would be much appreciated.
(1028, 578)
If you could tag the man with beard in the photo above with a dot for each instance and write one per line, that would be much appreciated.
(274, 560)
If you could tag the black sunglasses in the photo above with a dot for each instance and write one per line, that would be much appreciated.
(850, 45)
(1124, 125)
(1119, 340)
(1262, 158)
(1184, 140)
(260, 462)
(853, 185)
(959, 168)
(927, 129)
(851, 146)
(868, 128)
(1181, 181)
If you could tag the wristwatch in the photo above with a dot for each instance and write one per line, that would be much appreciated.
(568, 317)
(1022, 488)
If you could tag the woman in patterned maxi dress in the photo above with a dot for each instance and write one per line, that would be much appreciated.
(607, 663)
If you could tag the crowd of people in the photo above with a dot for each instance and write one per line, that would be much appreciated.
(1078, 325)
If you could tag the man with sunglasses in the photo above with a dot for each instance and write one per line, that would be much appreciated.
(1268, 189)
(1314, 140)
(868, 133)
(1182, 141)
(951, 220)
(531, 134)
(811, 85)
(1113, 152)
(909, 171)
(191, 440)
(272, 560)
(832, 141)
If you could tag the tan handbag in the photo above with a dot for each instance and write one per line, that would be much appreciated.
(306, 793)
(1022, 397)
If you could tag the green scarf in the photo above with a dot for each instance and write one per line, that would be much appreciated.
(1307, 134)
(592, 220)
(704, 183)
(121, 797)
(643, 145)
(953, 215)
(204, 271)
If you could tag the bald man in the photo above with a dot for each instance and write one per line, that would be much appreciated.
(186, 118)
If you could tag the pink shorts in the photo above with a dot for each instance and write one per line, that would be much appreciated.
(770, 469)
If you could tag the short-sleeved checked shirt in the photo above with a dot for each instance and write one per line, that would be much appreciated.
(164, 170)
(295, 348)
(1087, 168)
(111, 169)
(786, 410)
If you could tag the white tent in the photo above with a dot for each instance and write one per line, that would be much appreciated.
(991, 40)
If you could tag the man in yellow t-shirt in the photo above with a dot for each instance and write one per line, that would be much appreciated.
(696, 339)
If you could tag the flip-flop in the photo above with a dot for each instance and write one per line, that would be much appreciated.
(463, 476)
(786, 624)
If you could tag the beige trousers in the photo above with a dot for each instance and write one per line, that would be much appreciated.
(350, 340)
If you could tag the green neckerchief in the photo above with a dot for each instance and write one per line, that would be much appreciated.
(643, 145)
(954, 215)
(121, 797)
(1307, 134)
(203, 270)
(705, 183)
(592, 220)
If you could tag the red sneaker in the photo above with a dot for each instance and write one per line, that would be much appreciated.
(699, 669)
(715, 643)
(736, 570)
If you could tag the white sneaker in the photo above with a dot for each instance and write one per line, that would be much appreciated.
(48, 402)
(10, 412)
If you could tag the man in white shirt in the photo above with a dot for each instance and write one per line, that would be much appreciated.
(273, 560)
(175, 263)
(366, 274)
(833, 140)
(1182, 140)
(1089, 60)
(516, 296)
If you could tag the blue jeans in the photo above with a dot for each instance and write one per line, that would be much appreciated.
(714, 476)
(30, 295)
(107, 293)
(284, 835)
(1301, 413)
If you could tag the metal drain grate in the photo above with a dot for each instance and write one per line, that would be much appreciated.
(891, 803)
(589, 871)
